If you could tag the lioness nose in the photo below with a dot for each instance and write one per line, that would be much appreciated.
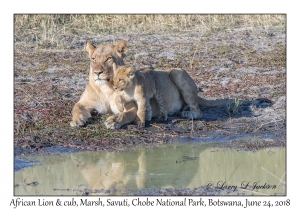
(98, 73)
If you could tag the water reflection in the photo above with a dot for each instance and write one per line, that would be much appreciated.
(171, 166)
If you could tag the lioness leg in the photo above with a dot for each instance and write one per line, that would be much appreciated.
(189, 92)
(126, 117)
(80, 114)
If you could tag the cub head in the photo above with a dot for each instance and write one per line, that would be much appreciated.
(102, 58)
(123, 77)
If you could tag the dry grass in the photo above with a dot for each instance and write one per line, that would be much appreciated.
(48, 30)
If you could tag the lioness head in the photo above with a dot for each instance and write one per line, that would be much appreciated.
(123, 77)
(102, 59)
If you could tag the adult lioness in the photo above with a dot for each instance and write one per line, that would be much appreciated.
(179, 90)
(99, 93)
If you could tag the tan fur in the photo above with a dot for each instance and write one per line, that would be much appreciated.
(138, 86)
(179, 91)
(99, 93)
(110, 171)
(177, 87)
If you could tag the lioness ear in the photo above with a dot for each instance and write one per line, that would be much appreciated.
(115, 68)
(90, 49)
(121, 48)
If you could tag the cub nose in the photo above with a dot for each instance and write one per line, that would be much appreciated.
(98, 73)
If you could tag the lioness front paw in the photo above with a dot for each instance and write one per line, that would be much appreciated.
(77, 123)
(111, 123)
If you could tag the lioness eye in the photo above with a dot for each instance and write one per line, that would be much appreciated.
(108, 59)
(93, 59)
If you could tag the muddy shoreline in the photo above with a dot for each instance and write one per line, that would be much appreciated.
(243, 142)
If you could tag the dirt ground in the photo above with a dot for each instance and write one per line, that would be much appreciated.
(248, 65)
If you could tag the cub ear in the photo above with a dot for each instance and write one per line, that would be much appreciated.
(115, 68)
(130, 72)
(121, 48)
(90, 49)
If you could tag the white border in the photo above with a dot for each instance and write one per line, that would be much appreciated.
(154, 6)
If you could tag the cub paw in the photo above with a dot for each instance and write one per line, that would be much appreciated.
(111, 123)
(162, 117)
(191, 115)
(141, 124)
(120, 108)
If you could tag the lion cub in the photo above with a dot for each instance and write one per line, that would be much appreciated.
(138, 86)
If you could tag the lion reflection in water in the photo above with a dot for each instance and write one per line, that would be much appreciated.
(135, 171)
(111, 172)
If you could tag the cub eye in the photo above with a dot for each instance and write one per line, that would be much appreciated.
(109, 58)
(120, 80)
(93, 59)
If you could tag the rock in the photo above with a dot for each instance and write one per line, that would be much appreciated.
(224, 69)
(236, 80)
(225, 81)
(281, 102)
(168, 55)
(36, 139)
(270, 72)
(32, 104)
(248, 70)
(196, 125)
(264, 105)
